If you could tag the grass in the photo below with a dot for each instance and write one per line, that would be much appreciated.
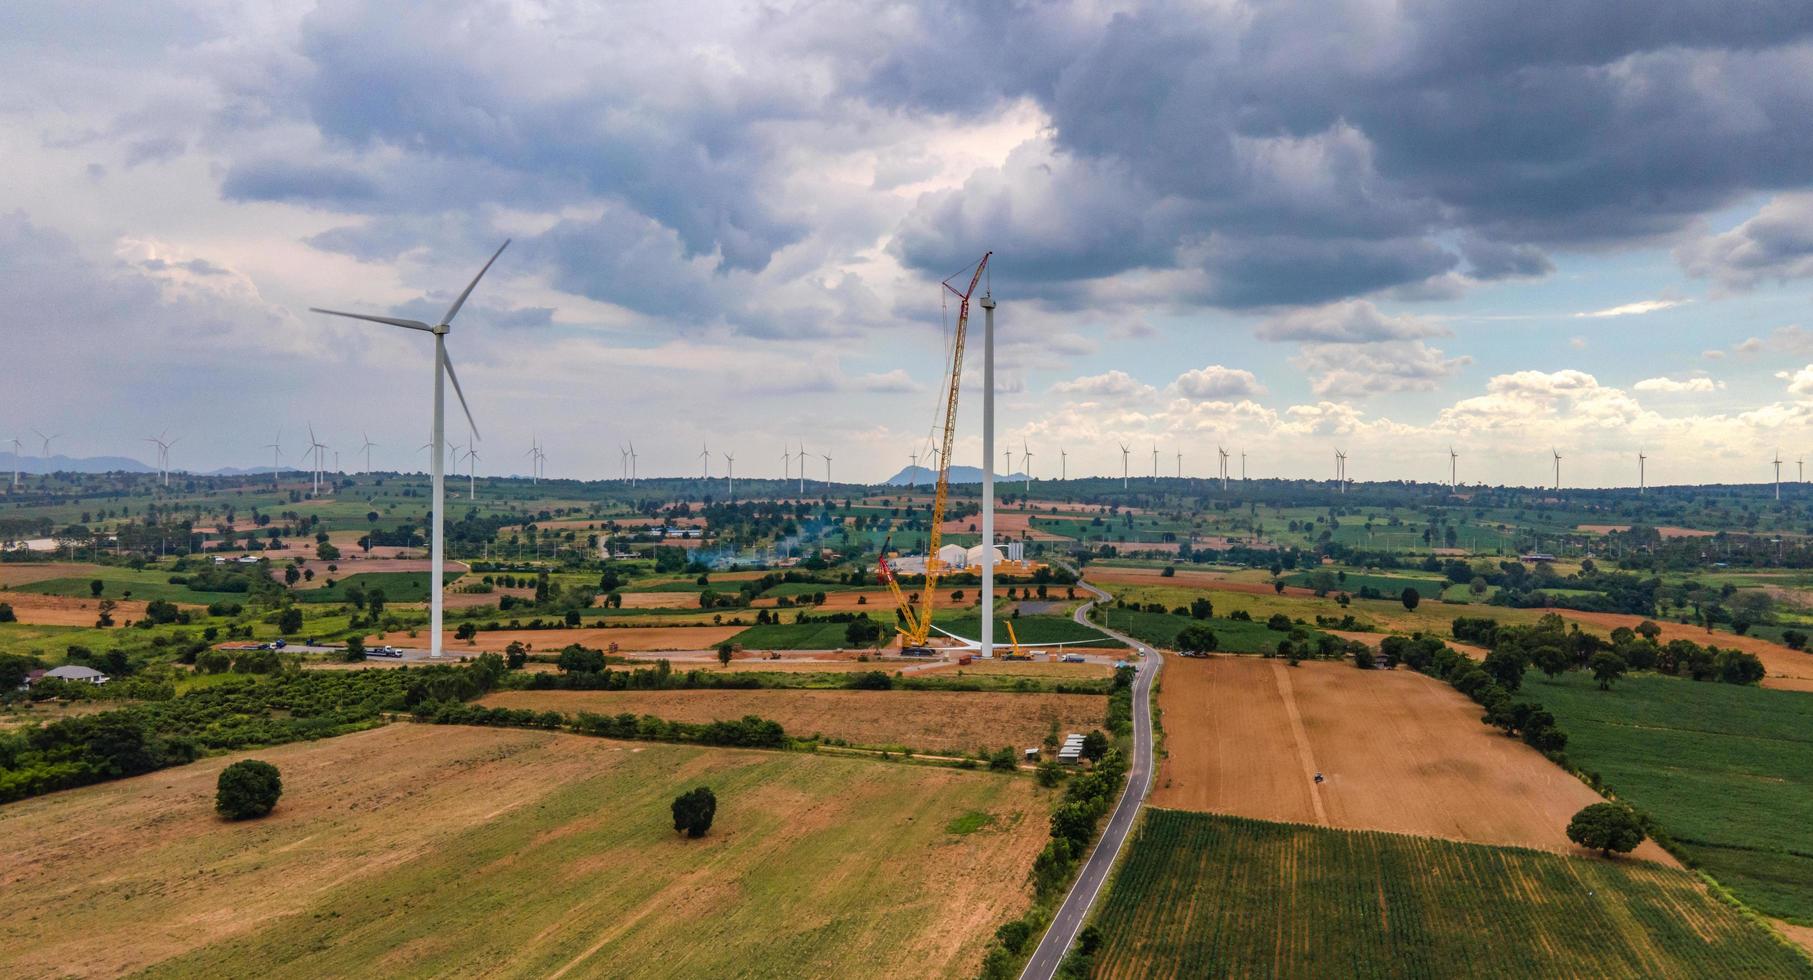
(1161, 629)
(1726, 770)
(1206, 895)
(411, 852)
(969, 822)
(141, 587)
(1030, 629)
(397, 587)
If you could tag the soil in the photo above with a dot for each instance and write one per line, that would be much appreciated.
(1398, 752)
(930, 721)
(56, 610)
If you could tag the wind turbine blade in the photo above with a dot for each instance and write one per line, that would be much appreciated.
(455, 308)
(447, 362)
(393, 321)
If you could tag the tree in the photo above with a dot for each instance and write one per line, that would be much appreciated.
(725, 650)
(6, 613)
(1606, 667)
(515, 655)
(1738, 667)
(1409, 597)
(1606, 827)
(105, 619)
(1649, 630)
(1195, 640)
(1201, 608)
(575, 659)
(355, 649)
(327, 552)
(96, 587)
(374, 603)
(289, 620)
(468, 630)
(1505, 667)
(247, 788)
(1795, 639)
(1553, 660)
(693, 811)
(291, 575)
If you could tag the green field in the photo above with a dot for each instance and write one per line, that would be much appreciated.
(121, 583)
(1726, 770)
(1030, 629)
(1389, 586)
(1205, 895)
(397, 587)
(1161, 629)
(801, 636)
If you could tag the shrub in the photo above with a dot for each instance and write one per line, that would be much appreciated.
(355, 649)
(247, 788)
(694, 810)
(1279, 622)
(1197, 639)
(1795, 639)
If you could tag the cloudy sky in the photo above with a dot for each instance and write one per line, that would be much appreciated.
(1277, 227)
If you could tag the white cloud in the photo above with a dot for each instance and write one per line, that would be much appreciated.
(1668, 385)
(1351, 322)
(1800, 383)
(1109, 384)
(1346, 370)
(1218, 383)
(1634, 309)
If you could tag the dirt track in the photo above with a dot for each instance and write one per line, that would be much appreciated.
(1398, 751)
(926, 720)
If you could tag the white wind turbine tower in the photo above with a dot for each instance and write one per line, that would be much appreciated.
(623, 461)
(1063, 464)
(705, 462)
(534, 454)
(1155, 461)
(367, 448)
(1778, 474)
(802, 467)
(730, 475)
(786, 462)
(47, 440)
(1124, 456)
(632, 462)
(1009, 453)
(1243, 466)
(1180, 464)
(315, 446)
(163, 457)
(827, 472)
(443, 372)
(1340, 471)
(1453, 468)
(1557, 454)
(1026, 461)
(16, 446)
(913, 472)
(1223, 453)
(471, 471)
(1641, 476)
(1800, 465)
(276, 455)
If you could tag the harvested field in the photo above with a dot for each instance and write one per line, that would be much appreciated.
(1666, 532)
(653, 600)
(56, 610)
(519, 853)
(20, 573)
(1789, 670)
(629, 638)
(930, 721)
(453, 599)
(1398, 752)
(1212, 896)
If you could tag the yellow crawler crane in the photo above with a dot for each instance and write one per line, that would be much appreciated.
(916, 618)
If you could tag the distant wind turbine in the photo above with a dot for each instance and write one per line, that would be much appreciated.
(1026, 461)
(276, 455)
(632, 462)
(1063, 464)
(16, 446)
(730, 476)
(1453, 468)
(367, 448)
(1124, 456)
(1155, 461)
(1778, 474)
(443, 372)
(1642, 477)
(913, 472)
(471, 471)
(827, 472)
(705, 461)
(1557, 455)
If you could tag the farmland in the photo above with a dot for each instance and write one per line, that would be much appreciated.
(928, 721)
(1030, 629)
(1726, 770)
(1161, 629)
(1204, 895)
(801, 636)
(521, 853)
(396, 586)
(1398, 752)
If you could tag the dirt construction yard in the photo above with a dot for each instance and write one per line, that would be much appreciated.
(429, 851)
(929, 721)
(1398, 751)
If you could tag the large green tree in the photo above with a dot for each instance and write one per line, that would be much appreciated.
(694, 810)
(1606, 827)
(247, 788)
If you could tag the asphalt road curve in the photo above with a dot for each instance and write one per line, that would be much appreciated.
(1068, 922)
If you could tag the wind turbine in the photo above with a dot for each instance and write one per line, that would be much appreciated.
(1063, 464)
(1557, 454)
(1340, 471)
(1009, 453)
(47, 440)
(1223, 453)
(1640, 474)
(1124, 452)
(1453, 467)
(802, 468)
(1155, 461)
(163, 457)
(471, 471)
(367, 448)
(1801, 465)
(1243, 466)
(1778, 474)
(1180, 464)
(276, 453)
(786, 462)
(705, 460)
(1026, 461)
(913, 472)
(443, 372)
(623, 461)
(730, 475)
(827, 472)
(16, 446)
(632, 462)
(315, 446)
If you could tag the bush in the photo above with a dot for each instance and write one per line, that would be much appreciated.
(248, 788)
(1197, 639)
(1606, 827)
(1795, 639)
(577, 659)
(6, 613)
(355, 649)
(1409, 597)
(1004, 759)
(693, 811)
(1279, 622)
(871, 680)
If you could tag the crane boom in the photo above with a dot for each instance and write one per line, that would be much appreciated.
(918, 619)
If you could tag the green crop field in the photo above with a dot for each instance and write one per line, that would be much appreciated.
(1206, 895)
(801, 636)
(1726, 770)
(1161, 629)
(397, 587)
(1030, 629)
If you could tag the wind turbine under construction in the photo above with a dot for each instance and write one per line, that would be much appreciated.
(443, 373)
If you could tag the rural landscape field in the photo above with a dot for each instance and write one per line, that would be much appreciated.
(513, 488)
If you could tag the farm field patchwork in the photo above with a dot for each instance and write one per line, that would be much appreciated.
(928, 721)
(802, 636)
(1398, 751)
(396, 586)
(1726, 770)
(1161, 629)
(1030, 629)
(1204, 895)
(520, 853)
(627, 638)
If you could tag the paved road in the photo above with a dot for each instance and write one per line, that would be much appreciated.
(1069, 919)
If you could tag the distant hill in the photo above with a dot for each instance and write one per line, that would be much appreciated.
(959, 474)
(72, 464)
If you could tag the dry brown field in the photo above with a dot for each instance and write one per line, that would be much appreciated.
(25, 573)
(929, 721)
(1666, 532)
(1398, 752)
(653, 600)
(56, 610)
(435, 851)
